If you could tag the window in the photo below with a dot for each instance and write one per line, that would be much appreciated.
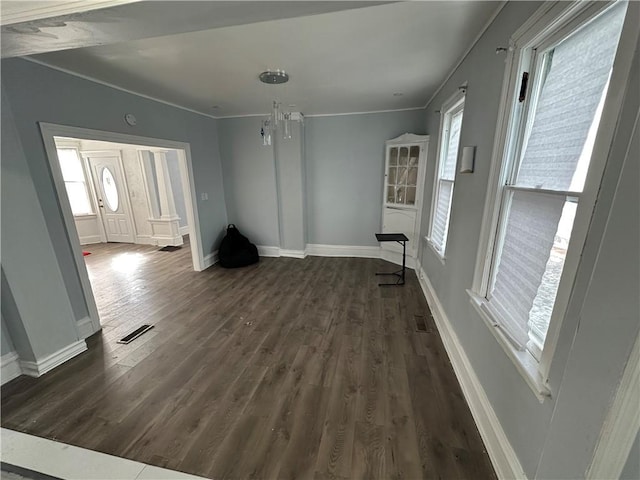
(554, 114)
(75, 181)
(448, 146)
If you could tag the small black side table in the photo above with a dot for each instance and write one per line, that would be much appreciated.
(402, 239)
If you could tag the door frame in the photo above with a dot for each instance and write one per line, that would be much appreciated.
(86, 156)
(51, 130)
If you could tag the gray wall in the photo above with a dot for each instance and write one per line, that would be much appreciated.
(631, 470)
(39, 94)
(343, 167)
(6, 344)
(555, 439)
(35, 307)
(13, 321)
(345, 170)
(176, 186)
(249, 179)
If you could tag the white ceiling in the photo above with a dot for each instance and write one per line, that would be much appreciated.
(32, 27)
(15, 11)
(339, 62)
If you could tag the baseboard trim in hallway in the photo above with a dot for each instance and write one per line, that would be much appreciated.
(348, 251)
(69, 462)
(503, 457)
(48, 363)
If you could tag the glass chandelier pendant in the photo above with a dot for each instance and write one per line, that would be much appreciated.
(265, 131)
(286, 131)
(276, 114)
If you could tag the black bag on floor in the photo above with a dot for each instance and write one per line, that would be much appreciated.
(236, 250)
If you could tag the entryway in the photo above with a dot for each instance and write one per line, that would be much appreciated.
(119, 189)
(111, 189)
(124, 193)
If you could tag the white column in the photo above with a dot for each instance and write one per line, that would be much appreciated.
(290, 178)
(165, 192)
(165, 230)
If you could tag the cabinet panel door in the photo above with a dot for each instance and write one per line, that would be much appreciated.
(401, 176)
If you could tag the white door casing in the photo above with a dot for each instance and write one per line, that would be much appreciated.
(112, 195)
(403, 190)
(49, 131)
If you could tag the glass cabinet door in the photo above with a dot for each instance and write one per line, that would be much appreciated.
(402, 175)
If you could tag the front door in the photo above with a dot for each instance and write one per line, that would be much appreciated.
(112, 197)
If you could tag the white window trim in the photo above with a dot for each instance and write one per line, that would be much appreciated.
(551, 20)
(69, 144)
(450, 106)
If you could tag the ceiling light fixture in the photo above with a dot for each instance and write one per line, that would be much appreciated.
(274, 77)
(277, 117)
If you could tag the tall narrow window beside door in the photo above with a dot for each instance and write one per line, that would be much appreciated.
(448, 145)
(75, 181)
(553, 120)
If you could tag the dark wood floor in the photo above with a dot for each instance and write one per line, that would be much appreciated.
(286, 369)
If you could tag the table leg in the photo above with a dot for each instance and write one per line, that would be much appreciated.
(404, 256)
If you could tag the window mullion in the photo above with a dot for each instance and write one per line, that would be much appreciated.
(562, 193)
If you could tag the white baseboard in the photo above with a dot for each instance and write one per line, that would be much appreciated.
(211, 259)
(43, 365)
(90, 239)
(166, 241)
(319, 250)
(85, 328)
(266, 251)
(293, 253)
(145, 240)
(269, 251)
(10, 364)
(501, 453)
(184, 230)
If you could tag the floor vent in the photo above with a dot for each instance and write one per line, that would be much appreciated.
(420, 325)
(135, 334)
(169, 248)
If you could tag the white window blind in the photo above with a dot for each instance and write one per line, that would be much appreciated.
(535, 227)
(446, 176)
(74, 181)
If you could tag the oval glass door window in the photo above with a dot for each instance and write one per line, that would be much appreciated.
(110, 190)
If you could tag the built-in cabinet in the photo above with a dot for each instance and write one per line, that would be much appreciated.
(405, 167)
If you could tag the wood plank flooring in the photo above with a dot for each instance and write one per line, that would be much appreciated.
(287, 369)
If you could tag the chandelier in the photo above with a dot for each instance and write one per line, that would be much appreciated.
(278, 119)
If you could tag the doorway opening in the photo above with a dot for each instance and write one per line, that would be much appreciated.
(123, 198)
(123, 193)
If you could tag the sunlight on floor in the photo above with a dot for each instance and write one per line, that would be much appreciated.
(128, 262)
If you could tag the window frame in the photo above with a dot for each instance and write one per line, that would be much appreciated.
(88, 187)
(550, 23)
(451, 106)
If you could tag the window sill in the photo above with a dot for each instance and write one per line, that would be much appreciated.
(86, 215)
(524, 361)
(441, 257)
